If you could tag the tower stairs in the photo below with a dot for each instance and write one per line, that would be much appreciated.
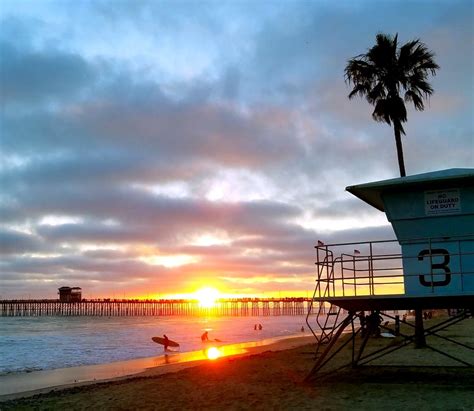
(329, 325)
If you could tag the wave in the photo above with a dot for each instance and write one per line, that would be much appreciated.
(19, 371)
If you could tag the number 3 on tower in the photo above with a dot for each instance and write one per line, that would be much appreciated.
(439, 266)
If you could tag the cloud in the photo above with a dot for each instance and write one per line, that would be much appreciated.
(17, 242)
(30, 76)
(134, 133)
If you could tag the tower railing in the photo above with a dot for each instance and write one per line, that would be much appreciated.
(376, 268)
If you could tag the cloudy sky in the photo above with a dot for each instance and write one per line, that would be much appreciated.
(151, 148)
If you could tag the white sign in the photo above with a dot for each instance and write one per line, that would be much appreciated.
(442, 202)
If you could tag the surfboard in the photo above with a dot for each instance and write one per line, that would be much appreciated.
(160, 340)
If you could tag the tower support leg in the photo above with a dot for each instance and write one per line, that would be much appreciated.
(420, 341)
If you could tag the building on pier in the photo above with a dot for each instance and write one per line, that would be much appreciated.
(70, 294)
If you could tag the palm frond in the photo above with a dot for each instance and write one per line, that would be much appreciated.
(381, 112)
(359, 89)
(386, 70)
(415, 98)
(383, 54)
(377, 92)
(397, 109)
(358, 71)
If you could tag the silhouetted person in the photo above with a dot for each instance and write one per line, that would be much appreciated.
(166, 342)
(363, 324)
(260, 327)
(205, 336)
(397, 325)
(373, 322)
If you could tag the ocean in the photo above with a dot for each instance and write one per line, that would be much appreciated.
(43, 343)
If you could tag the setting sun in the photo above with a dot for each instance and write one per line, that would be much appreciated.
(207, 296)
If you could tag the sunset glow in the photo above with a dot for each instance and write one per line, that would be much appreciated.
(207, 297)
(169, 261)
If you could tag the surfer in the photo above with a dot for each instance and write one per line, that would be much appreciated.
(205, 337)
(166, 342)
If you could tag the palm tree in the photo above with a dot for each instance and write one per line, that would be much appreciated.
(384, 73)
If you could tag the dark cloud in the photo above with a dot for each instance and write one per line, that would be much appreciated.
(17, 242)
(145, 218)
(93, 232)
(29, 76)
(339, 209)
(134, 136)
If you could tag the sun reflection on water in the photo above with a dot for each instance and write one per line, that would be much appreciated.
(213, 353)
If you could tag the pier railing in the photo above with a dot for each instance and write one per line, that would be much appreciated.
(126, 308)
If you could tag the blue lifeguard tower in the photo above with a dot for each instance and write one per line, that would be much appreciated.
(429, 266)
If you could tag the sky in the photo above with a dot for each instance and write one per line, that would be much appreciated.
(150, 148)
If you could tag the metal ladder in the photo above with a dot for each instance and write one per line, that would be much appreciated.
(330, 322)
(327, 321)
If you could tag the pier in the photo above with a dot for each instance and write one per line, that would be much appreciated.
(242, 307)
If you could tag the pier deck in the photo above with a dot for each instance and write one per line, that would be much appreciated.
(120, 308)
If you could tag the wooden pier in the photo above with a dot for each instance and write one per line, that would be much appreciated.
(251, 307)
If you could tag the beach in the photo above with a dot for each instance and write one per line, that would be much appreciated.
(273, 377)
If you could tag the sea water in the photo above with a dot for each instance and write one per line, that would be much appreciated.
(41, 343)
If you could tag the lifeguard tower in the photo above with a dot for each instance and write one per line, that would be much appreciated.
(429, 266)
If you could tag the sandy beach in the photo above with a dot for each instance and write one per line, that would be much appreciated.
(272, 377)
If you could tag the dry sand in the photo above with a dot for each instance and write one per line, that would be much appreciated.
(274, 380)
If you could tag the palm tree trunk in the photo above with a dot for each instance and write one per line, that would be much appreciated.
(398, 141)
(420, 340)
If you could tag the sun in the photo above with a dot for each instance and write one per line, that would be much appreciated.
(207, 296)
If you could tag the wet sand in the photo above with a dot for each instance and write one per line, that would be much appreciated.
(272, 379)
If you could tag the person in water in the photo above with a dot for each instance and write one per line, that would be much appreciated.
(166, 343)
(205, 336)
